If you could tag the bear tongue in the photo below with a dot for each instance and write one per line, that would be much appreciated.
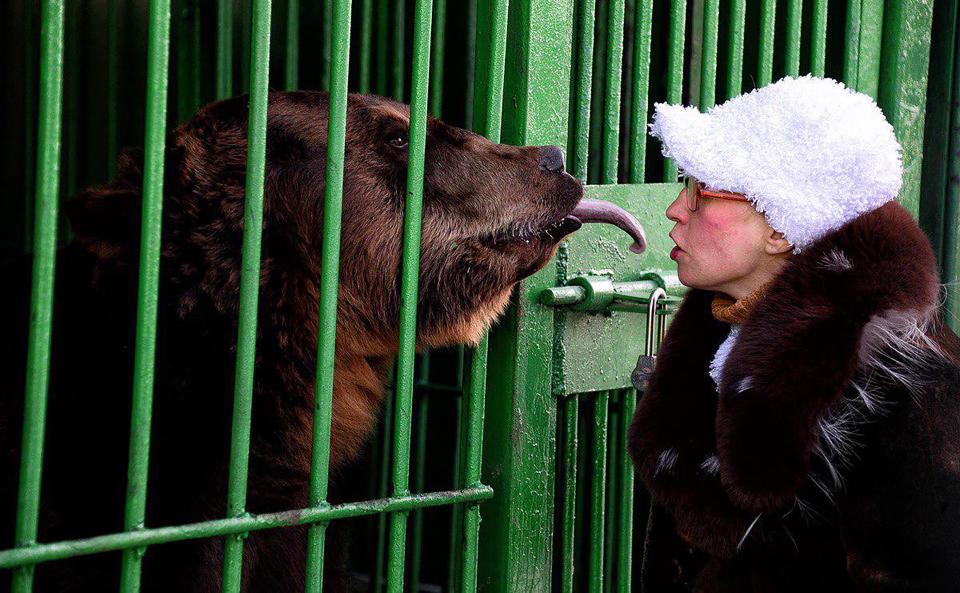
(589, 210)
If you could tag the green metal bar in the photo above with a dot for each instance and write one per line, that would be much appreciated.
(291, 73)
(903, 67)
(625, 497)
(708, 59)
(738, 16)
(516, 539)
(383, 16)
(768, 26)
(222, 527)
(326, 44)
(612, 487)
(249, 290)
(366, 45)
(158, 50)
(818, 46)
(113, 86)
(598, 492)
(641, 87)
(568, 533)
(41, 290)
(224, 68)
(864, 28)
(454, 572)
(471, 60)
(852, 43)
(794, 28)
(595, 156)
(580, 138)
(419, 467)
(614, 69)
(436, 58)
(399, 48)
(678, 19)
(413, 213)
(330, 263)
(380, 551)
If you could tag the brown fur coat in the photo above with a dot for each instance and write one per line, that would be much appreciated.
(829, 457)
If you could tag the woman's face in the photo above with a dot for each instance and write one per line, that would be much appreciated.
(722, 246)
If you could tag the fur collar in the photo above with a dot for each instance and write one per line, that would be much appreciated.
(719, 463)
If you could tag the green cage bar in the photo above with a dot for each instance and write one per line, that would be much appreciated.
(864, 38)
(708, 57)
(793, 32)
(326, 43)
(738, 16)
(291, 64)
(249, 290)
(580, 119)
(422, 391)
(413, 213)
(399, 48)
(41, 290)
(221, 527)
(614, 68)
(818, 41)
(675, 40)
(643, 22)
(471, 61)
(330, 263)
(598, 483)
(148, 288)
(366, 46)
(437, 57)
(768, 28)
(224, 68)
(611, 508)
(384, 488)
(597, 113)
(570, 409)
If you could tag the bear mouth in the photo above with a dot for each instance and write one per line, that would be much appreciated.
(586, 211)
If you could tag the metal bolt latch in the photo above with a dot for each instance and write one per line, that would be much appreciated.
(602, 293)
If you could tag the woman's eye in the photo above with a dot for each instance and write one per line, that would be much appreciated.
(398, 142)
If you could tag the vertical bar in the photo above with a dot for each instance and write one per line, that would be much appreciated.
(625, 497)
(366, 44)
(708, 60)
(851, 43)
(570, 420)
(641, 87)
(595, 156)
(818, 47)
(383, 12)
(413, 213)
(420, 458)
(330, 263)
(377, 582)
(471, 60)
(399, 48)
(455, 572)
(768, 25)
(326, 44)
(598, 492)
(614, 69)
(738, 16)
(580, 138)
(436, 58)
(291, 74)
(863, 39)
(41, 291)
(678, 18)
(158, 49)
(224, 48)
(612, 485)
(951, 218)
(794, 28)
(249, 290)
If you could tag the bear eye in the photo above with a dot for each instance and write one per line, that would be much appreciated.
(398, 141)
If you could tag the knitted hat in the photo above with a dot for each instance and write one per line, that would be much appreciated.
(809, 153)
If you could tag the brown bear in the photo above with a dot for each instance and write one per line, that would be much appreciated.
(493, 214)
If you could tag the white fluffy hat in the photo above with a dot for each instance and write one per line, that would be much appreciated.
(809, 153)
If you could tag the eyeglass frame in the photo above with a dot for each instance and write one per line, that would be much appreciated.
(693, 204)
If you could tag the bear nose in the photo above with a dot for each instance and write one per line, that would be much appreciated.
(551, 159)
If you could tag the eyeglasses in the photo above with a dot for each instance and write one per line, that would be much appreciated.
(695, 191)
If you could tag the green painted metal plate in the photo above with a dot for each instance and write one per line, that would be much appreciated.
(598, 350)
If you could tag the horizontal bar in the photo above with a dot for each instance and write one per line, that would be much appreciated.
(220, 527)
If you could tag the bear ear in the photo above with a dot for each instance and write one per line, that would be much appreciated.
(105, 219)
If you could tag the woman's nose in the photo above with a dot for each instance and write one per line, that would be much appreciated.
(677, 210)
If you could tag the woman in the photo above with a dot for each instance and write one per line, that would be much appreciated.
(801, 428)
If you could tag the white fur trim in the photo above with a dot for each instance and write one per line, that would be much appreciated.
(810, 153)
(720, 358)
